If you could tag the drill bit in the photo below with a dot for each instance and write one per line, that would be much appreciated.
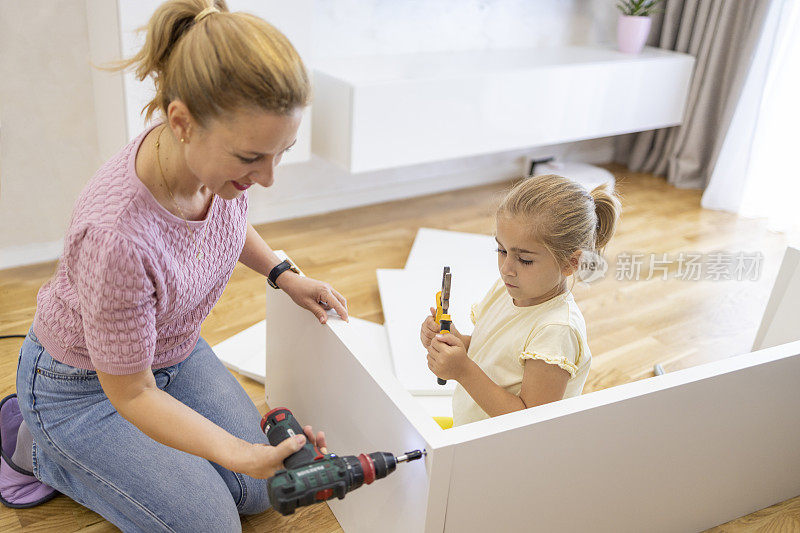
(409, 456)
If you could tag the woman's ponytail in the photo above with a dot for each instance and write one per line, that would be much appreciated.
(215, 61)
(168, 23)
(607, 207)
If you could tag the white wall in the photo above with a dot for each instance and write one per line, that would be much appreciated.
(346, 28)
(49, 145)
(368, 27)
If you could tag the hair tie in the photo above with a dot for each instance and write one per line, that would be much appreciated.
(206, 12)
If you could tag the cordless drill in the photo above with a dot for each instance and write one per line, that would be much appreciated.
(310, 476)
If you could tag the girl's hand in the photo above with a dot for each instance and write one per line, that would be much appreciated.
(262, 460)
(316, 296)
(447, 357)
(429, 329)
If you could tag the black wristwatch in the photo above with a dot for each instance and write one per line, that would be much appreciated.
(279, 269)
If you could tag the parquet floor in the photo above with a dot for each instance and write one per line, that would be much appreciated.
(632, 324)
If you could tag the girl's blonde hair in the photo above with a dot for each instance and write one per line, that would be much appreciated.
(218, 62)
(563, 215)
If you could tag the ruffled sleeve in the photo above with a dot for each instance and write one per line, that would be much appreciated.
(477, 308)
(555, 344)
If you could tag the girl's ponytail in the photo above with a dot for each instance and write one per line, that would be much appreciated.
(607, 207)
(563, 215)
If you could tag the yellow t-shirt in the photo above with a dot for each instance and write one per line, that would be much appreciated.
(506, 335)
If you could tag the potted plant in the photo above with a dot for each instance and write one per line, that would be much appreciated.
(633, 25)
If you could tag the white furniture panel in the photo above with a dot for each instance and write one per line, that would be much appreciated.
(435, 248)
(679, 452)
(244, 352)
(380, 112)
(311, 370)
(781, 321)
(120, 98)
(408, 294)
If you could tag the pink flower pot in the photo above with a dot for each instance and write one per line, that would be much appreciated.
(632, 33)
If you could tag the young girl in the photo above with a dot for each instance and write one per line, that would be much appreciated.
(529, 344)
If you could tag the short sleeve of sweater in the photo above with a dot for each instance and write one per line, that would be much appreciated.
(555, 344)
(117, 302)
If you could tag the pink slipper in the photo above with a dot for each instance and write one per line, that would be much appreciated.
(19, 488)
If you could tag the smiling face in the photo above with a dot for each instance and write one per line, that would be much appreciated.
(531, 273)
(229, 155)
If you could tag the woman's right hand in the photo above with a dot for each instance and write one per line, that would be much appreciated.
(261, 461)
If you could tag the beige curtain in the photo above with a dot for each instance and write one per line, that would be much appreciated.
(721, 35)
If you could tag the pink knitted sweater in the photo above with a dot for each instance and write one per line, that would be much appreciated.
(129, 293)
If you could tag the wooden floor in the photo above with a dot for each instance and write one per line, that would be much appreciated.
(631, 324)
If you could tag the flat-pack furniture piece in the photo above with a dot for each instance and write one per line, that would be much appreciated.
(679, 452)
(407, 294)
(780, 323)
(378, 112)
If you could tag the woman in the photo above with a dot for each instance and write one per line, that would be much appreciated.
(130, 412)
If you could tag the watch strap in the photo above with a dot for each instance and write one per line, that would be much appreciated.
(279, 269)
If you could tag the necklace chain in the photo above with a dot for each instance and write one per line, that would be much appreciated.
(197, 248)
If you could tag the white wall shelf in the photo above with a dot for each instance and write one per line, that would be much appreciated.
(378, 112)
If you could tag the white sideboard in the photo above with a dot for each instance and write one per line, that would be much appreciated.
(378, 112)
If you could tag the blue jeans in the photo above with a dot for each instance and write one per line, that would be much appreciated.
(86, 450)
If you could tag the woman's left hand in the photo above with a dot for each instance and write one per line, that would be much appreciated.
(314, 295)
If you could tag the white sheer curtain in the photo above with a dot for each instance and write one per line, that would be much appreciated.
(757, 173)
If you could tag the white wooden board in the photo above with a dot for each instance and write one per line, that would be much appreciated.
(436, 404)
(369, 341)
(407, 296)
(436, 248)
(680, 452)
(312, 371)
(244, 352)
(781, 321)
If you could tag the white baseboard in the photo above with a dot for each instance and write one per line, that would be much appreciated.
(29, 254)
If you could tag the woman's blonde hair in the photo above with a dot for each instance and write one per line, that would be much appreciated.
(563, 215)
(218, 62)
